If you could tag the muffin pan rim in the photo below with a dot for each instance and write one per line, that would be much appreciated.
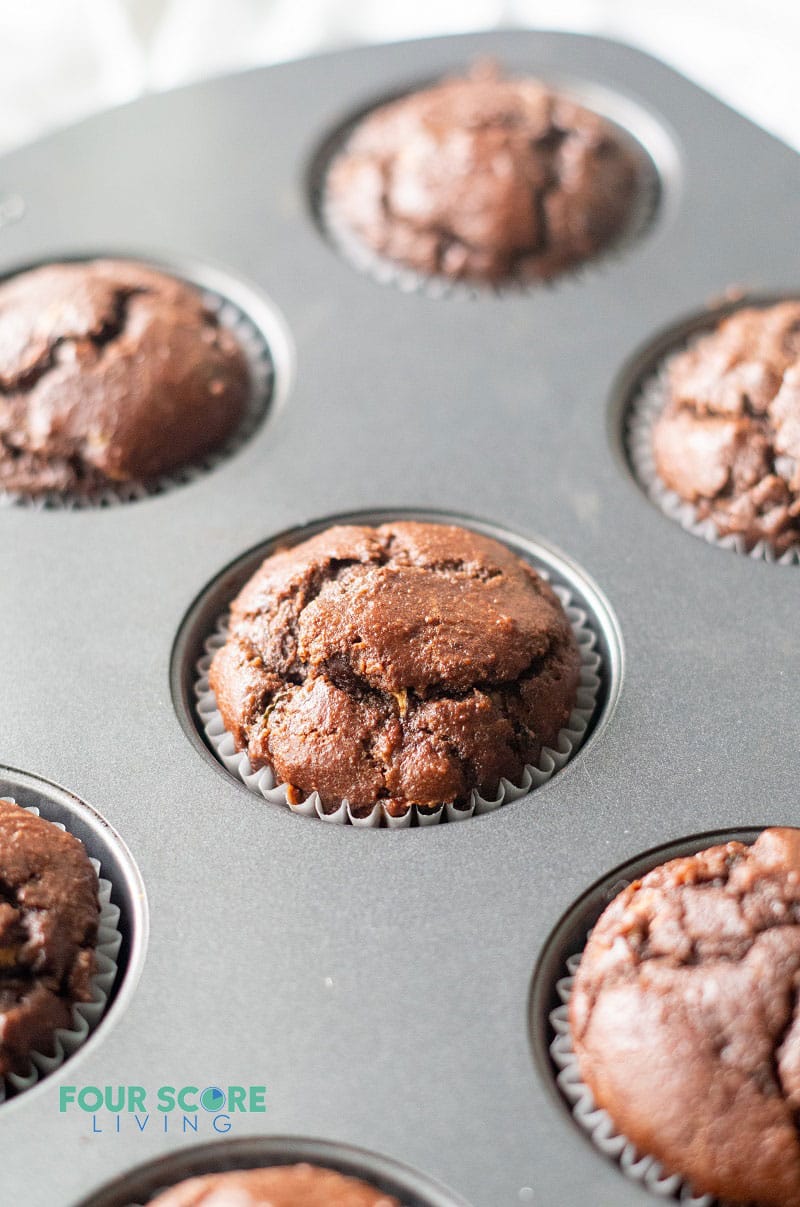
(31, 788)
(355, 1161)
(648, 133)
(551, 962)
(644, 362)
(194, 626)
(254, 305)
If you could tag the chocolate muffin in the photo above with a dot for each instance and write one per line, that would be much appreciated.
(684, 1015)
(110, 372)
(728, 440)
(483, 178)
(278, 1186)
(49, 912)
(406, 664)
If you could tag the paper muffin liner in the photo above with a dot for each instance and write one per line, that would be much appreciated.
(261, 375)
(596, 1122)
(644, 412)
(386, 271)
(85, 1015)
(551, 760)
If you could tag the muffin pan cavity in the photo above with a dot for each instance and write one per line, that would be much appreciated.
(124, 910)
(639, 398)
(237, 308)
(205, 628)
(141, 1185)
(639, 134)
(549, 1028)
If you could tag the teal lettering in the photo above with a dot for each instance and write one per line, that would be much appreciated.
(183, 1099)
(90, 1099)
(115, 1102)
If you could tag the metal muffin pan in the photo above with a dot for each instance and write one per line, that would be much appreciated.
(379, 981)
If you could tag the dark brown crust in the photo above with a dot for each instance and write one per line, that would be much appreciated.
(408, 664)
(110, 372)
(728, 440)
(49, 912)
(277, 1186)
(484, 178)
(684, 1015)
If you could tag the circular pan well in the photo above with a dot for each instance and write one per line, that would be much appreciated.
(117, 865)
(654, 147)
(638, 397)
(139, 1187)
(212, 603)
(566, 941)
(264, 339)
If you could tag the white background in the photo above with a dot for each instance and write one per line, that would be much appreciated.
(62, 59)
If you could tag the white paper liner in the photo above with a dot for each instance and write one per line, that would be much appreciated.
(550, 760)
(261, 374)
(365, 259)
(596, 1122)
(642, 416)
(85, 1015)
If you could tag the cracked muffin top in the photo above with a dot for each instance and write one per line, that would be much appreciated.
(110, 372)
(483, 178)
(684, 1015)
(278, 1186)
(406, 664)
(49, 913)
(728, 440)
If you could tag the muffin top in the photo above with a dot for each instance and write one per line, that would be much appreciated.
(485, 178)
(278, 1186)
(49, 912)
(110, 372)
(728, 439)
(406, 664)
(684, 1016)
